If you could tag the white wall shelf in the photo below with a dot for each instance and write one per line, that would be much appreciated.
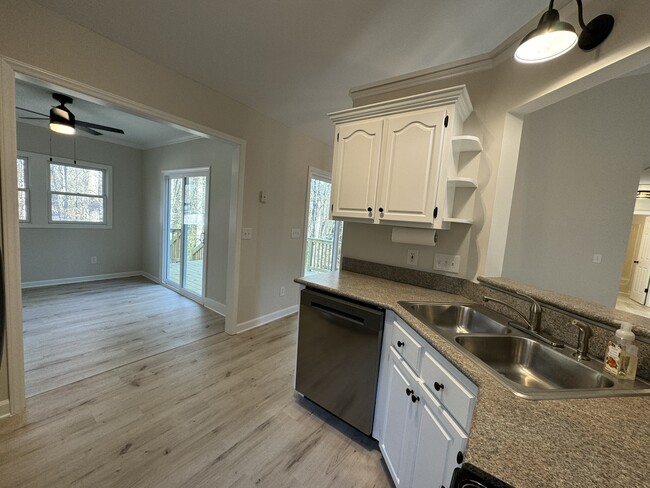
(461, 182)
(453, 220)
(466, 144)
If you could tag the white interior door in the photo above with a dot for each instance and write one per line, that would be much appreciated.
(639, 290)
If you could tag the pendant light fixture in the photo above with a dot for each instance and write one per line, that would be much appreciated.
(61, 119)
(553, 38)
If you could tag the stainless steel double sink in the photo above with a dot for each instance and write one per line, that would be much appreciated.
(528, 367)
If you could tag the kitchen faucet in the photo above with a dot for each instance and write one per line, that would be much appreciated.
(533, 323)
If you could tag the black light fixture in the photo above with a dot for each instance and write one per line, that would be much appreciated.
(553, 38)
(61, 119)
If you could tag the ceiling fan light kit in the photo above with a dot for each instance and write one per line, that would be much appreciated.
(552, 37)
(61, 119)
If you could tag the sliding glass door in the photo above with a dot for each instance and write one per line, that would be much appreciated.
(186, 217)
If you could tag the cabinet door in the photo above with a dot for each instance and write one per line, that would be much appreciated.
(438, 443)
(356, 169)
(399, 419)
(410, 166)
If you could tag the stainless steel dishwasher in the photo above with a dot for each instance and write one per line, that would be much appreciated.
(339, 345)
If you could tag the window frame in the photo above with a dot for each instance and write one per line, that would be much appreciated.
(107, 194)
(25, 189)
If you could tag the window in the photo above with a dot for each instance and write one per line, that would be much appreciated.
(78, 194)
(23, 190)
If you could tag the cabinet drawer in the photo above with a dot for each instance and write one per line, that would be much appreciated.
(406, 346)
(448, 388)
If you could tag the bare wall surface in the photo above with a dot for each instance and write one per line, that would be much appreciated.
(579, 168)
(57, 253)
(201, 153)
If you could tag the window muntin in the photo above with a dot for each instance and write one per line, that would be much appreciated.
(23, 189)
(77, 194)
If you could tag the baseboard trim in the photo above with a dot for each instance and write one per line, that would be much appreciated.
(265, 319)
(215, 306)
(81, 279)
(150, 277)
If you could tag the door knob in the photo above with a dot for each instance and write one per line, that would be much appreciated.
(409, 392)
(438, 386)
(400, 344)
(415, 398)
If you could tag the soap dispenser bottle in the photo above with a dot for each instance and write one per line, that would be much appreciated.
(621, 355)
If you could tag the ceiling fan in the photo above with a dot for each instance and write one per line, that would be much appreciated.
(62, 120)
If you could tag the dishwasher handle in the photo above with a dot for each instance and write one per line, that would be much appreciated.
(339, 313)
(356, 314)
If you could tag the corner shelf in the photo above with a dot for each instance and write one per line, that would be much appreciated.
(461, 144)
(461, 182)
(466, 144)
(452, 220)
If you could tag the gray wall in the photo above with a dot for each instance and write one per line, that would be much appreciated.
(59, 253)
(579, 166)
(218, 156)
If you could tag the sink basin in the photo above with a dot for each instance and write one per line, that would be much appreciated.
(458, 318)
(532, 365)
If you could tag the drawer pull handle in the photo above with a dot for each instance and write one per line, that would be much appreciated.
(415, 398)
(409, 392)
(400, 344)
(438, 386)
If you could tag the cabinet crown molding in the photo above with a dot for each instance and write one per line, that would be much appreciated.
(454, 95)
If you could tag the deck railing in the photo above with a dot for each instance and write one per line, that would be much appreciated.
(319, 256)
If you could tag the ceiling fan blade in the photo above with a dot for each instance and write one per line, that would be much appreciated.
(87, 129)
(32, 112)
(90, 125)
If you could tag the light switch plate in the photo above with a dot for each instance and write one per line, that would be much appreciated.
(295, 233)
(246, 233)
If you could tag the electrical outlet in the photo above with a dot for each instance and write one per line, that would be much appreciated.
(246, 233)
(598, 258)
(295, 233)
(282, 291)
(447, 262)
(412, 257)
(93, 260)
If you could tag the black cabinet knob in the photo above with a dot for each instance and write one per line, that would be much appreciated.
(381, 210)
(400, 344)
(415, 398)
(459, 457)
(438, 386)
(369, 209)
(409, 392)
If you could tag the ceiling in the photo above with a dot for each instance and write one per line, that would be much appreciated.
(139, 132)
(295, 60)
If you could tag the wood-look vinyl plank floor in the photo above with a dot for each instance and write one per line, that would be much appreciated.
(218, 412)
(72, 332)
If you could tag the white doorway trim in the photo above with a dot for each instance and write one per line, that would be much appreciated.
(10, 70)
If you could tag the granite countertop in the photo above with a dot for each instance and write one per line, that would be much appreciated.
(527, 443)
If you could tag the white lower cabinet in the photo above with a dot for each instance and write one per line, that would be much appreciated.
(419, 436)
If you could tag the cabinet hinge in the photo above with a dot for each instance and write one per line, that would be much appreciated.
(446, 120)
(435, 212)
(332, 206)
(337, 137)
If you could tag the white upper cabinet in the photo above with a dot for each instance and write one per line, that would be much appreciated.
(394, 161)
(356, 166)
(410, 166)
